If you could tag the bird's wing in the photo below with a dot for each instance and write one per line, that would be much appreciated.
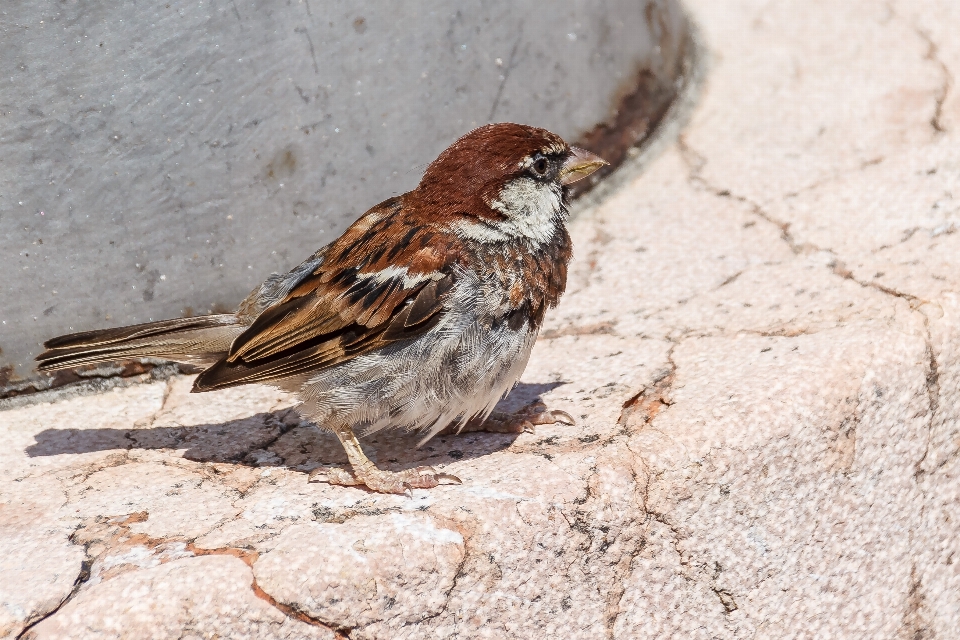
(383, 281)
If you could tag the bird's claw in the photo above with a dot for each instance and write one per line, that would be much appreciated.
(526, 420)
(539, 414)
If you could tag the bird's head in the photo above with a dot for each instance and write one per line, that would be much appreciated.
(505, 183)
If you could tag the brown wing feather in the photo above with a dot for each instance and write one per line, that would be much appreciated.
(104, 337)
(371, 290)
(330, 348)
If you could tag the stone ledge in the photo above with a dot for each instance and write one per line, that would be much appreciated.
(760, 341)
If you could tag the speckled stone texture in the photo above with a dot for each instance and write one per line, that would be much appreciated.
(760, 342)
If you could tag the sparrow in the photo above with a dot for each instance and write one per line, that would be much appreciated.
(421, 316)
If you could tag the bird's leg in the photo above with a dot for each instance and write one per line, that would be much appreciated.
(365, 473)
(524, 420)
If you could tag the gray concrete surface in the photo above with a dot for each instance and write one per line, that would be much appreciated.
(160, 161)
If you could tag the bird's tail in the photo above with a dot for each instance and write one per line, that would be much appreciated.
(201, 340)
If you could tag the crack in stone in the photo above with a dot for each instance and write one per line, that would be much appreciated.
(249, 557)
(914, 626)
(932, 55)
(581, 521)
(623, 571)
(696, 162)
(933, 367)
(646, 404)
(105, 534)
(836, 177)
(691, 571)
(598, 539)
(324, 514)
(726, 599)
(113, 460)
(649, 514)
(453, 585)
(284, 428)
(511, 63)
(313, 51)
(82, 577)
(93, 550)
(839, 268)
(933, 395)
(939, 230)
(167, 392)
(605, 327)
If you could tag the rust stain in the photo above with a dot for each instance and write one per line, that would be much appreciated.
(636, 116)
(642, 408)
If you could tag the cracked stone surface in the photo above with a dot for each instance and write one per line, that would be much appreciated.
(177, 599)
(760, 343)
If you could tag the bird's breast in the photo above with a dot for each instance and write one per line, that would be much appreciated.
(515, 283)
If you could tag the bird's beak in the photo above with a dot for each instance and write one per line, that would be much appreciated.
(580, 164)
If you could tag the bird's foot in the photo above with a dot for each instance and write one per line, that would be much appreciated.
(523, 421)
(384, 481)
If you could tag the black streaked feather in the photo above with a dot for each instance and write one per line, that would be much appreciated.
(328, 339)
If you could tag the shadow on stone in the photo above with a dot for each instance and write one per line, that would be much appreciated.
(283, 439)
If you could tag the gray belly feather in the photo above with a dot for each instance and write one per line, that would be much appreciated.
(459, 369)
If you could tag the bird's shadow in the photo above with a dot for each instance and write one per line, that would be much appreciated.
(282, 438)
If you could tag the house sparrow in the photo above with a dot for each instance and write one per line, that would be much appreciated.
(421, 315)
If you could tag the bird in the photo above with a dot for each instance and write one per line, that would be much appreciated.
(420, 316)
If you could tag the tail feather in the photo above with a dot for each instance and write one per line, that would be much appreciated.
(199, 340)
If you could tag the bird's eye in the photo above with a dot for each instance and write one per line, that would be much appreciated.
(540, 166)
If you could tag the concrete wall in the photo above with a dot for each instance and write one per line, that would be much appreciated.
(162, 159)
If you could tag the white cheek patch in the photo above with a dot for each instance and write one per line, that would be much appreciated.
(533, 209)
